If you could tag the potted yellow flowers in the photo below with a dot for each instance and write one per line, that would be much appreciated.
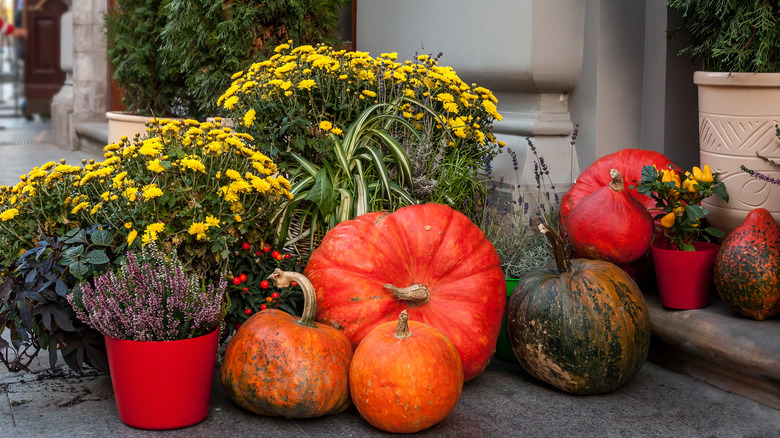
(683, 252)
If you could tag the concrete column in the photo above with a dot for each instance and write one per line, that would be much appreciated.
(528, 52)
(62, 102)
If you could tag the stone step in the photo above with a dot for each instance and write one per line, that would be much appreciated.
(719, 347)
(92, 136)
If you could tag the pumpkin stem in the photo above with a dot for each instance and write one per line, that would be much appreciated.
(617, 181)
(285, 279)
(402, 330)
(415, 294)
(562, 260)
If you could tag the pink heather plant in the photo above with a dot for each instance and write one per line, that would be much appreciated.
(150, 298)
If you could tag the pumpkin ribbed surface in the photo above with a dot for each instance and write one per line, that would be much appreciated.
(405, 384)
(278, 365)
(442, 269)
(747, 268)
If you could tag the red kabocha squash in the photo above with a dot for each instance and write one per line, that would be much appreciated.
(429, 260)
(580, 325)
(747, 268)
(609, 224)
(628, 162)
(405, 377)
(277, 365)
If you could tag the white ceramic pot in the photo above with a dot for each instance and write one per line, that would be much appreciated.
(737, 117)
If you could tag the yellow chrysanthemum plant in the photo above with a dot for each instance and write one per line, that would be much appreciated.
(196, 188)
(302, 97)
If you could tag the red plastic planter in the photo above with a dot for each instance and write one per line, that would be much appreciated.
(162, 385)
(684, 277)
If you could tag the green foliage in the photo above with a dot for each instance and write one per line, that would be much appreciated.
(731, 35)
(209, 40)
(33, 304)
(512, 226)
(150, 84)
(678, 197)
(353, 177)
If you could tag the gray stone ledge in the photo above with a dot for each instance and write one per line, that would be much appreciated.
(719, 347)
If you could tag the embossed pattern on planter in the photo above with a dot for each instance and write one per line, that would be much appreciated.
(732, 130)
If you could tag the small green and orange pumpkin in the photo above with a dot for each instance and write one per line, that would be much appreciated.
(278, 365)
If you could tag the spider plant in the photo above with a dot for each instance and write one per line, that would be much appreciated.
(367, 170)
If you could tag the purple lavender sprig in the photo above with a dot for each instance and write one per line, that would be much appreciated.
(760, 176)
(150, 298)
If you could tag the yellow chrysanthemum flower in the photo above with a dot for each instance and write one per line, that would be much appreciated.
(156, 227)
(369, 93)
(152, 191)
(9, 214)
(79, 207)
(231, 102)
(198, 229)
(212, 221)
(128, 225)
(131, 237)
(192, 163)
(307, 84)
(232, 174)
(155, 166)
(336, 131)
(326, 125)
(249, 117)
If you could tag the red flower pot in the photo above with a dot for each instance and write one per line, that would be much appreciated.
(684, 277)
(162, 385)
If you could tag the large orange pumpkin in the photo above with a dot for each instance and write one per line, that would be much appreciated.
(277, 365)
(429, 260)
(405, 377)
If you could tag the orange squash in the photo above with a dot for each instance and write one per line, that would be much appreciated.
(429, 260)
(277, 365)
(405, 377)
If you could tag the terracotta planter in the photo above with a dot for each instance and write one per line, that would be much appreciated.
(503, 349)
(737, 117)
(684, 277)
(122, 123)
(162, 385)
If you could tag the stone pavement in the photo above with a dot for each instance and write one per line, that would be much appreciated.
(503, 402)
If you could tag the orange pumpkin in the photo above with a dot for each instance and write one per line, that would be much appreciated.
(405, 377)
(277, 365)
(429, 260)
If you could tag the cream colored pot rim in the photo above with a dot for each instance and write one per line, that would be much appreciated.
(736, 79)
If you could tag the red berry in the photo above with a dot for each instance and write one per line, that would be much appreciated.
(259, 252)
(236, 281)
(246, 290)
(242, 277)
(275, 254)
(248, 311)
(238, 325)
(267, 248)
(287, 256)
(294, 283)
(263, 307)
(245, 246)
(265, 284)
(275, 295)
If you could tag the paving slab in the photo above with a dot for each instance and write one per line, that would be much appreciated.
(504, 401)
